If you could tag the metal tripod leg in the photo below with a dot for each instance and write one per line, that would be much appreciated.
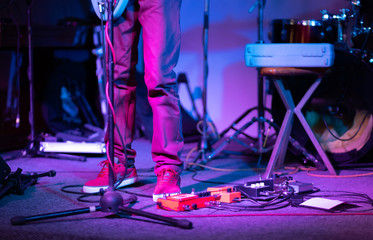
(223, 145)
(182, 223)
(260, 119)
(240, 131)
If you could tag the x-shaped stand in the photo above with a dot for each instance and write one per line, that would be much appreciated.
(281, 144)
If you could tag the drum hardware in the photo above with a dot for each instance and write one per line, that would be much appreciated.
(349, 79)
(364, 53)
(356, 3)
(206, 142)
(259, 144)
(361, 31)
(341, 21)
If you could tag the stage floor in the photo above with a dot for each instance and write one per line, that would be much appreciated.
(244, 220)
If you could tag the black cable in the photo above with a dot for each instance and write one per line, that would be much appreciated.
(276, 203)
(82, 198)
(206, 181)
(260, 206)
(136, 194)
(226, 206)
(352, 198)
(64, 189)
(345, 193)
(346, 139)
(248, 197)
(83, 195)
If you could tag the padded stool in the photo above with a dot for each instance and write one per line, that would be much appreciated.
(278, 76)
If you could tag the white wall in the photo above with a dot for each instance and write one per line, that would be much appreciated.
(232, 87)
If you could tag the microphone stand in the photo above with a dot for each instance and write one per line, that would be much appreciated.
(111, 200)
(204, 144)
(17, 182)
(33, 146)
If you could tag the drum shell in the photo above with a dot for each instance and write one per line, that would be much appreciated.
(300, 31)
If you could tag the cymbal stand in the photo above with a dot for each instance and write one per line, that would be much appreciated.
(260, 119)
(261, 4)
(111, 200)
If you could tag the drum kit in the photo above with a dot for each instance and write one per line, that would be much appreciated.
(332, 28)
(339, 113)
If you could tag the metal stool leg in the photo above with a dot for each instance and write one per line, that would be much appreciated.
(281, 144)
(307, 128)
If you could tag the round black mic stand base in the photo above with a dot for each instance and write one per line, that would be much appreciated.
(111, 201)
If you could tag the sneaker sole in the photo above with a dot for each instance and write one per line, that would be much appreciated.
(124, 183)
(163, 195)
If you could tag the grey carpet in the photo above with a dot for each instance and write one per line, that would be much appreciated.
(208, 223)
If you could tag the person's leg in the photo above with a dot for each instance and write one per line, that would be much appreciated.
(126, 33)
(160, 20)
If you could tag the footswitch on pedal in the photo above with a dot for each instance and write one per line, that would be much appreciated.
(227, 194)
(256, 189)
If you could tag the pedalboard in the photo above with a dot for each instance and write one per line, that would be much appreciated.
(259, 190)
(194, 201)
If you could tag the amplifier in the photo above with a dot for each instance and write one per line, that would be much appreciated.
(289, 55)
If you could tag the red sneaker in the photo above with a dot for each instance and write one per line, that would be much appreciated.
(168, 183)
(102, 180)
